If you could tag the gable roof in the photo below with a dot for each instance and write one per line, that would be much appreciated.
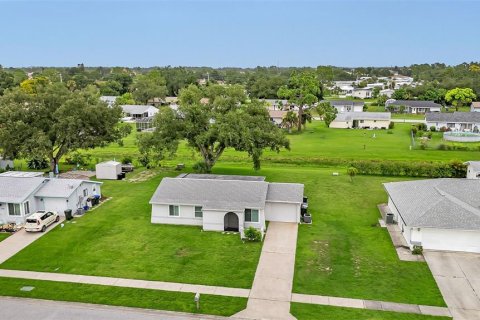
(285, 192)
(136, 109)
(437, 203)
(61, 188)
(350, 116)
(16, 190)
(415, 104)
(465, 117)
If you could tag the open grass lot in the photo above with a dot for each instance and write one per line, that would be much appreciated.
(310, 312)
(4, 235)
(129, 297)
(118, 240)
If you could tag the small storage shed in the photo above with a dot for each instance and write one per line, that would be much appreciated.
(108, 170)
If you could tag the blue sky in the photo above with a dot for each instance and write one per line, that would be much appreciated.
(238, 33)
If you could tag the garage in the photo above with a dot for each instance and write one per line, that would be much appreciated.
(282, 212)
(451, 240)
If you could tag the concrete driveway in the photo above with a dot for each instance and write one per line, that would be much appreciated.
(458, 277)
(19, 240)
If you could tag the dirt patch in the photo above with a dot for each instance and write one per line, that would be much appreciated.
(143, 176)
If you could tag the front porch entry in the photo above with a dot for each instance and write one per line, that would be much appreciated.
(231, 222)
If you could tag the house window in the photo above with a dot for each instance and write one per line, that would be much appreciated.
(14, 209)
(26, 207)
(85, 192)
(251, 215)
(362, 121)
(173, 211)
(198, 212)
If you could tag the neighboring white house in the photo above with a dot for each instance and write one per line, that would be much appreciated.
(346, 105)
(138, 111)
(456, 121)
(110, 100)
(225, 202)
(475, 107)
(362, 120)
(413, 106)
(387, 92)
(22, 196)
(437, 214)
(4, 163)
(362, 93)
(276, 104)
(473, 169)
(346, 91)
(380, 85)
(108, 170)
(276, 116)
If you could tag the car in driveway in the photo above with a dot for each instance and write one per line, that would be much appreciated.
(40, 220)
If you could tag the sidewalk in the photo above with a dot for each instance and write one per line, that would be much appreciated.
(272, 287)
(21, 239)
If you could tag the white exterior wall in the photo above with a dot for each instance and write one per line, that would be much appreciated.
(277, 120)
(374, 124)
(257, 225)
(5, 217)
(282, 212)
(451, 240)
(472, 174)
(152, 111)
(108, 171)
(160, 214)
(339, 124)
(362, 94)
(452, 126)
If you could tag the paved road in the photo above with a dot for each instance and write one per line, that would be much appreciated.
(271, 291)
(458, 277)
(26, 309)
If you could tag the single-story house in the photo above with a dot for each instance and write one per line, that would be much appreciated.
(362, 93)
(437, 214)
(346, 105)
(276, 116)
(413, 106)
(22, 196)
(346, 90)
(145, 124)
(475, 107)
(387, 92)
(138, 111)
(225, 202)
(108, 170)
(380, 85)
(456, 121)
(473, 169)
(110, 100)
(362, 120)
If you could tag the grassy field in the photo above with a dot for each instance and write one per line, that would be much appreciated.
(129, 297)
(4, 235)
(118, 240)
(314, 146)
(310, 312)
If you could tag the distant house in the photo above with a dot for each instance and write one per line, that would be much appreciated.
(362, 120)
(275, 104)
(413, 106)
(132, 112)
(387, 92)
(110, 100)
(473, 169)
(346, 90)
(21, 196)
(225, 202)
(456, 121)
(346, 105)
(276, 116)
(437, 214)
(380, 85)
(6, 163)
(362, 93)
(475, 107)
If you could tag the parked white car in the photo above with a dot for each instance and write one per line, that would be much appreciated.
(40, 220)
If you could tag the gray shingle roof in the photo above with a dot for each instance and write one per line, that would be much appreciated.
(227, 193)
(60, 188)
(221, 177)
(16, 190)
(285, 192)
(416, 103)
(135, 109)
(349, 116)
(463, 117)
(438, 203)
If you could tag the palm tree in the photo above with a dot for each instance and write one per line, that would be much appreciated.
(289, 121)
(352, 172)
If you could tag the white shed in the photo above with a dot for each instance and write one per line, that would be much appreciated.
(108, 170)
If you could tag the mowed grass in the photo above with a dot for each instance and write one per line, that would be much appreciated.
(4, 235)
(344, 253)
(310, 312)
(313, 146)
(118, 240)
(118, 296)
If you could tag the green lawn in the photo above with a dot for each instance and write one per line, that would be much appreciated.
(408, 116)
(4, 235)
(118, 240)
(117, 296)
(310, 312)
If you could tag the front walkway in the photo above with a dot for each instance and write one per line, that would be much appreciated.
(458, 277)
(272, 287)
(19, 240)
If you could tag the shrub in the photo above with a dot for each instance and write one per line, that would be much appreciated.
(414, 131)
(422, 126)
(429, 135)
(144, 160)
(127, 160)
(77, 158)
(391, 125)
(417, 249)
(253, 234)
(433, 128)
(37, 164)
(200, 167)
(443, 147)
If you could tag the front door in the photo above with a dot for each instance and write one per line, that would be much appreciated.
(230, 222)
